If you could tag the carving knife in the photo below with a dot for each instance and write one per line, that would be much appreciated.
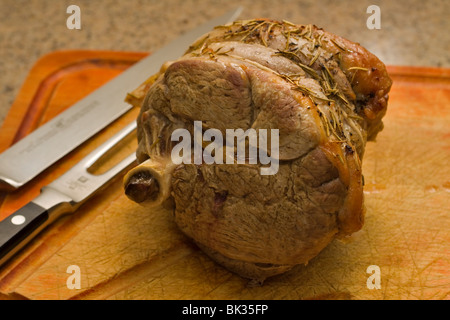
(50, 142)
(63, 195)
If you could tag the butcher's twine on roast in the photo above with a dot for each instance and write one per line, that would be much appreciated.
(326, 96)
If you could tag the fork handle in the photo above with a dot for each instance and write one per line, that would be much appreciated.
(19, 228)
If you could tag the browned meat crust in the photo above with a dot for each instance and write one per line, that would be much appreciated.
(326, 95)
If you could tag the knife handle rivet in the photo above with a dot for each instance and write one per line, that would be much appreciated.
(18, 219)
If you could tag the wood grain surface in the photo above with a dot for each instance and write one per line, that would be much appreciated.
(126, 251)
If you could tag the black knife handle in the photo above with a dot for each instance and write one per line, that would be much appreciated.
(16, 229)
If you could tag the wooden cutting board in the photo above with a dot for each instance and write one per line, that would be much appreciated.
(125, 251)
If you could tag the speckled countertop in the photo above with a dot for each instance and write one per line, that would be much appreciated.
(412, 32)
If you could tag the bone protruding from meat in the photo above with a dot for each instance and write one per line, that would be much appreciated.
(149, 182)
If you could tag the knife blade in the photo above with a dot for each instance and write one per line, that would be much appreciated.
(56, 138)
(62, 196)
